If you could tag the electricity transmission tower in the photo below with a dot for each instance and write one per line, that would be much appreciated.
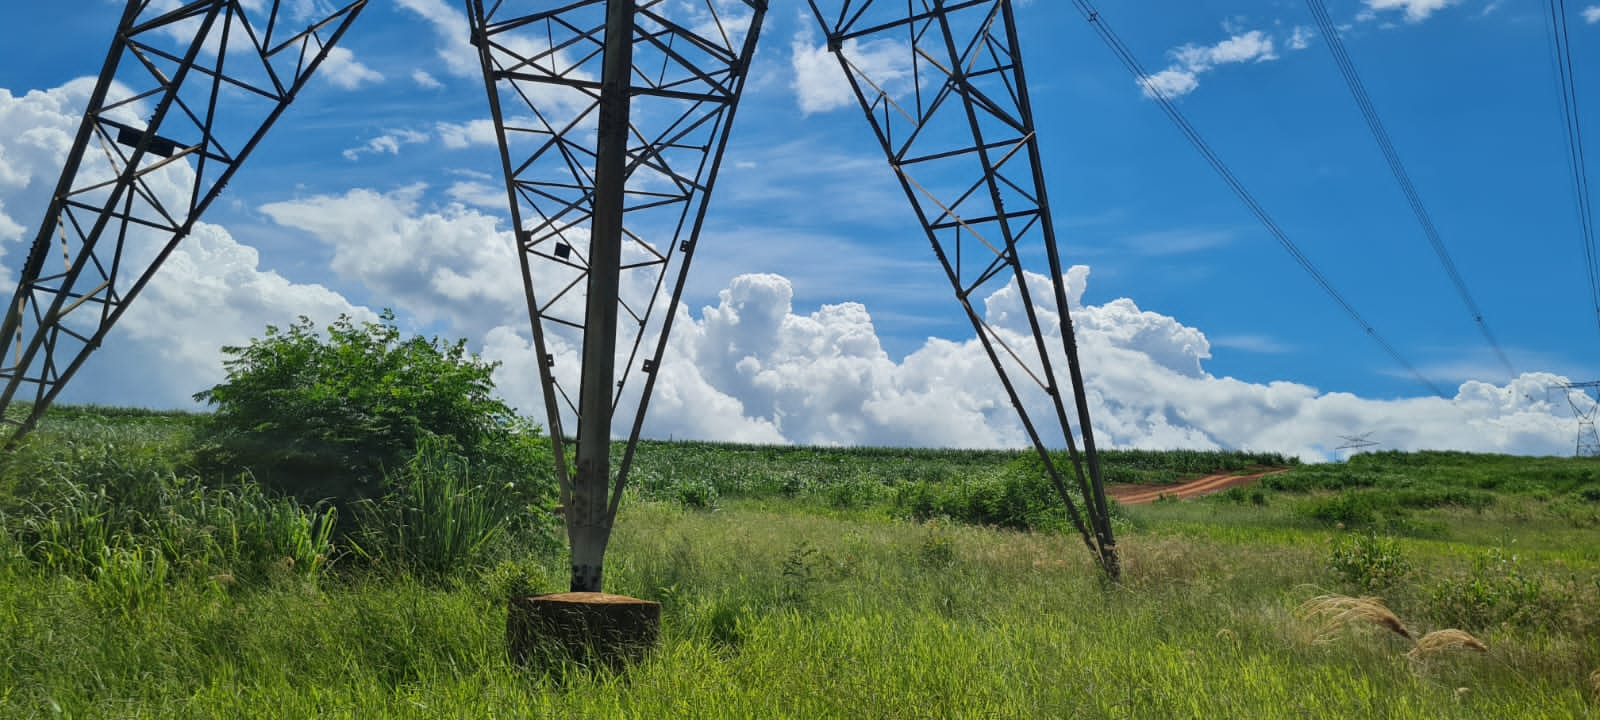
(612, 118)
(1356, 442)
(1588, 444)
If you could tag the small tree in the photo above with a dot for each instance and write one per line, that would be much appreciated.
(323, 418)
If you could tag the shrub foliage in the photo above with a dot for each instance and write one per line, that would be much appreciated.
(324, 417)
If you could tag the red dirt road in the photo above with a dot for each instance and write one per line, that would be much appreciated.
(1140, 494)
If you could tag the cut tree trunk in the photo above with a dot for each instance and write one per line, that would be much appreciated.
(589, 627)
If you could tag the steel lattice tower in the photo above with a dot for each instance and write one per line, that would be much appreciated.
(1355, 442)
(612, 118)
(1588, 444)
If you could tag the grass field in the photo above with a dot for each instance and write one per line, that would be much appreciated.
(811, 583)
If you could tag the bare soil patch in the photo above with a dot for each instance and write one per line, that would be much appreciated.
(1129, 494)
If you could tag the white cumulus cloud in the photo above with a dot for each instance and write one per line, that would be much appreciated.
(457, 136)
(1171, 83)
(1415, 10)
(452, 30)
(425, 80)
(388, 143)
(1190, 61)
(450, 264)
(752, 368)
(749, 366)
(820, 84)
(344, 71)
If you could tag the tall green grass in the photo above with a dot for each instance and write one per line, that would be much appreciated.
(114, 499)
(196, 531)
(769, 614)
(130, 588)
(434, 520)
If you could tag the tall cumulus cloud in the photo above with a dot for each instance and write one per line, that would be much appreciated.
(748, 367)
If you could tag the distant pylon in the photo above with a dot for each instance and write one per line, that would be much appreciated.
(1588, 444)
(1588, 439)
(1356, 442)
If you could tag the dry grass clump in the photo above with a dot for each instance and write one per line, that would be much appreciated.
(1439, 641)
(1336, 612)
(1594, 684)
(1149, 563)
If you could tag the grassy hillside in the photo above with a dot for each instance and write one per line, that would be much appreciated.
(801, 582)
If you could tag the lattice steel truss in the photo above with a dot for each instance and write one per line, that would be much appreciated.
(957, 128)
(611, 150)
(183, 98)
(612, 119)
(1588, 444)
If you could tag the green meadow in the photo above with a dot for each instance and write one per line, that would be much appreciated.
(800, 583)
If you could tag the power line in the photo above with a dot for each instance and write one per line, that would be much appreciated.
(1358, 90)
(1107, 34)
(1575, 158)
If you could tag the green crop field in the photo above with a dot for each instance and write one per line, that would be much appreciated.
(806, 583)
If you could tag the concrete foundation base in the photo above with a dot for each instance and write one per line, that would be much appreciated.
(591, 628)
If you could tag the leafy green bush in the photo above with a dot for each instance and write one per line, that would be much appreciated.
(1368, 561)
(1239, 495)
(799, 573)
(696, 494)
(322, 418)
(1321, 477)
(1576, 512)
(1365, 507)
(855, 492)
(1497, 591)
(1348, 509)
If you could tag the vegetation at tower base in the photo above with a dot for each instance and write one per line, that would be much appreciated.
(131, 587)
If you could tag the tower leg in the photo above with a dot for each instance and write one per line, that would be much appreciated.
(959, 134)
(608, 182)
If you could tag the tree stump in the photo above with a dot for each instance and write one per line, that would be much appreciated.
(592, 628)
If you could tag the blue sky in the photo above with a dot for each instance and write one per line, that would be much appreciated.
(1466, 88)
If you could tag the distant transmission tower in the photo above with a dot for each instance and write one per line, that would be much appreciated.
(1588, 444)
(1356, 442)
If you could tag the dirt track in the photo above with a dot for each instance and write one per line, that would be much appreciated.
(1140, 494)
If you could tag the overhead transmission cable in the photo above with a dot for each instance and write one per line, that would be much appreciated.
(1575, 158)
(1107, 34)
(1358, 90)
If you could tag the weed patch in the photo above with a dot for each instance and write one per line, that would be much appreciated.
(1498, 590)
(1368, 561)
